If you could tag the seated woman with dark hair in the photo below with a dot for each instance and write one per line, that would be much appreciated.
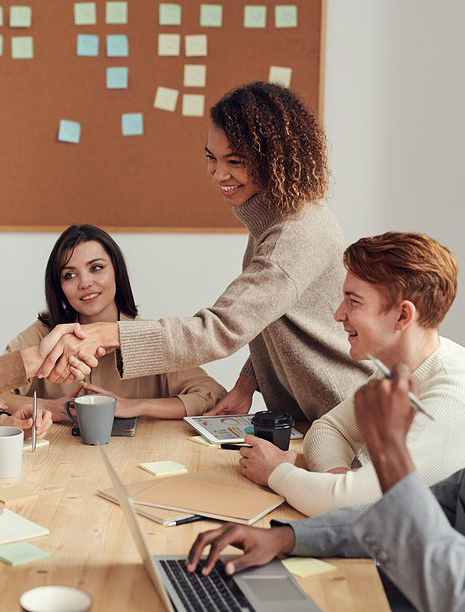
(86, 280)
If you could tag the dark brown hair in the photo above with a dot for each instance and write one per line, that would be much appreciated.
(59, 309)
(279, 141)
(409, 266)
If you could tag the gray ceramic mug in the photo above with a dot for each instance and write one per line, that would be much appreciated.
(95, 416)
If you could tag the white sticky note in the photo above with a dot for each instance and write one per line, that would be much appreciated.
(169, 44)
(281, 75)
(22, 47)
(166, 98)
(195, 75)
(254, 16)
(211, 15)
(195, 45)
(1, 16)
(169, 14)
(1, 44)
(20, 16)
(85, 13)
(116, 12)
(285, 16)
(193, 105)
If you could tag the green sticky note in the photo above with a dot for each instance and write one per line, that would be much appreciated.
(306, 566)
(85, 13)
(20, 16)
(254, 16)
(169, 14)
(21, 552)
(285, 16)
(1, 16)
(211, 15)
(116, 12)
(22, 47)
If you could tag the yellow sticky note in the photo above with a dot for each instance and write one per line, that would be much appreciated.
(281, 75)
(166, 98)
(200, 440)
(85, 13)
(169, 45)
(195, 75)
(195, 45)
(306, 566)
(164, 468)
(193, 105)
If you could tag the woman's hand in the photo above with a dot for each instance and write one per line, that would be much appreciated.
(238, 400)
(22, 418)
(57, 406)
(125, 408)
(257, 463)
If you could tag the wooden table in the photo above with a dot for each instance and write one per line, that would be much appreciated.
(89, 542)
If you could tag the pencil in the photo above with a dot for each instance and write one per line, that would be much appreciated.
(34, 416)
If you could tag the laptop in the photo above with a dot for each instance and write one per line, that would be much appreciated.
(269, 588)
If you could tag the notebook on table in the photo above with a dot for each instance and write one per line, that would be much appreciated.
(269, 588)
(121, 427)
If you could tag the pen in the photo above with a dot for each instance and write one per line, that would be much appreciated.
(191, 519)
(34, 416)
(388, 374)
(235, 446)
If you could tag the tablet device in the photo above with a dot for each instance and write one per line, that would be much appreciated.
(121, 427)
(227, 428)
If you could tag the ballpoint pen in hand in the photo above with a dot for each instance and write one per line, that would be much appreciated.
(34, 417)
(191, 519)
(388, 374)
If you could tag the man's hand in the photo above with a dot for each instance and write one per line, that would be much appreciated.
(384, 415)
(259, 545)
(258, 462)
(238, 400)
(22, 418)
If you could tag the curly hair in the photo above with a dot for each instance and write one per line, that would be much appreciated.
(279, 141)
(409, 266)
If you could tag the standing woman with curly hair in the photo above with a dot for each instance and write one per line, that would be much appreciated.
(267, 156)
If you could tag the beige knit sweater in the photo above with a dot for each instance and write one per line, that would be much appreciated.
(282, 305)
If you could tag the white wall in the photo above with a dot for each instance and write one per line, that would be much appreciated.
(395, 96)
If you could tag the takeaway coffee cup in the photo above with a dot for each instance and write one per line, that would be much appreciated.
(11, 451)
(275, 427)
(55, 599)
(95, 415)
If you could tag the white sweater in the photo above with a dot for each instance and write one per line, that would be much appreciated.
(437, 447)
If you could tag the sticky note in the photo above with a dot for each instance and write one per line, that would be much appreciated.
(132, 124)
(195, 45)
(195, 75)
(69, 131)
(164, 468)
(21, 552)
(117, 45)
(166, 98)
(200, 440)
(20, 16)
(306, 566)
(285, 16)
(1, 16)
(22, 47)
(117, 77)
(85, 13)
(169, 44)
(169, 14)
(116, 12)
(193, 105)
(1, 44)
(211, 15)
(254, 16)
(87, 45)
(281, 75)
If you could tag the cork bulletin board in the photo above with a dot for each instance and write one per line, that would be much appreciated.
(104, 105)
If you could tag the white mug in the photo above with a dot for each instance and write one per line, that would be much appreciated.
(55, 598)
(11, 451)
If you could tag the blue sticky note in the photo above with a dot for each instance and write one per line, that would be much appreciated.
(132, 124)
(117, 45)
(87, 45)
(21, 552)
(117, 77)
(69, 131)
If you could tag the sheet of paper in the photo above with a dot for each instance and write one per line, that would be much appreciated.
(169, 14)
(200, 440)
(69, 131)
(169, 45)
(193, 105)
(21, 552)
(22, 47)
(117, 77)
(166, 98)
(132, 124)
(87, 45)
(195, 45)
(85, 13)
(211, 15)
(20, 16)
(306, 566)
(254, 16)
(195, 75)
(281, 75)
(285, 16)
(117, 45)
(116, 12)
(164, 468)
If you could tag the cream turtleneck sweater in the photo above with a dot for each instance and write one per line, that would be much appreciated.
(282, 305)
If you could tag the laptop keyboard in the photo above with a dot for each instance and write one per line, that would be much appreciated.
(216, 592)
